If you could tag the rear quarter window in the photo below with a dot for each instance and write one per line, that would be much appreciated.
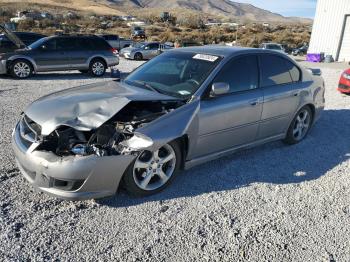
(99, 44)
(277, 70)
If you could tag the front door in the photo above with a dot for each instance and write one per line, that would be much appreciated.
(151, 50)
(232, 119)
(53, 54)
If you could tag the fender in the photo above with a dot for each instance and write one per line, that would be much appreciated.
(31, 60)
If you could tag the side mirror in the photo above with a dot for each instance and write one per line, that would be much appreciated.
(220, 88)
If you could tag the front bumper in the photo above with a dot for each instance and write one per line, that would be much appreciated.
(126, 55)
(3, 68)
(344, 85)
(72, 177)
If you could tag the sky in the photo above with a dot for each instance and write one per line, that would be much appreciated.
(301, 8)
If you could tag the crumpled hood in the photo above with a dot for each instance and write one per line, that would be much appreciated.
(86, 107)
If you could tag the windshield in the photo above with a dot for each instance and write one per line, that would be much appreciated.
(38, 43)
(175, 74)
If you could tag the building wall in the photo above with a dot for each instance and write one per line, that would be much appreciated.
(328, 26)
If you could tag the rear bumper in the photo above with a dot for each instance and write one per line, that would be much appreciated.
(3, 68)
(112, 61)
(71, 177)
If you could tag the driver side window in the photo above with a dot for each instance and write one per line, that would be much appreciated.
(49, 45)
(240, 73)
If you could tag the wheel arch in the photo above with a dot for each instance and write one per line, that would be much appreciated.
(28, 59)
(99, 57)
(183, 141)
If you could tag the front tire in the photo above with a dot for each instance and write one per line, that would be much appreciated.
(97, 68)
(300, 126)
(21, 69)
(151, 172)
(138, 56)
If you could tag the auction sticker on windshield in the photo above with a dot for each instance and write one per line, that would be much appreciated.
(210, 58)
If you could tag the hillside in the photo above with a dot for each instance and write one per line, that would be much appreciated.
(101, 7)
(220, 8)
(223, 8)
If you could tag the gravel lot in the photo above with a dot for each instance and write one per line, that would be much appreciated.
(271, 203)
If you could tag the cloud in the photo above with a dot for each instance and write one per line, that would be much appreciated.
(302, 8)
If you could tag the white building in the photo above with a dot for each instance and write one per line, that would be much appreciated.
(331, 29)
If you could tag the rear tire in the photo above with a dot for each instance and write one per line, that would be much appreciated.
(97, 67)
(300, 126)
(142, 177)
(21, 69)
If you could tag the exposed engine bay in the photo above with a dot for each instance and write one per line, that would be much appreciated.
(113, 136)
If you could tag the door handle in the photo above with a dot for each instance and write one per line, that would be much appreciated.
(295, 94)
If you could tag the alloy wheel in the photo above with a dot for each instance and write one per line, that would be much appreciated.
(21, 69)
(98, 68)
(301, 125)
(153, 169)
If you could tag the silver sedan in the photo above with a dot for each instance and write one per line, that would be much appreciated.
(183, 108)
(143, 50)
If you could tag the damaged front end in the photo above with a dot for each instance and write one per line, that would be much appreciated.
(78, 164)
(118, 136)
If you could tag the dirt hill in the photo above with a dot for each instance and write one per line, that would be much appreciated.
(222, 8)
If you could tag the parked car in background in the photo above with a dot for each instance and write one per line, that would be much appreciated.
(287, 49)
(144, 50)
(27, 38)
(344, 82)
(117, 42)
(273, 47)
(300, 51)
(57, 53)
(137, 32)
(183, 108)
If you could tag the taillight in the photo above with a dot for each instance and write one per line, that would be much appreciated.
(114, 51)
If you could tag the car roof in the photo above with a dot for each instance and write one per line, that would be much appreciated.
(271, 43)
(74, 36)
(216, 50)
(226, 51)
(27, 33)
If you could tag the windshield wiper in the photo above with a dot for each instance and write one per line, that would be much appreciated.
(144, 84)
(154, 89)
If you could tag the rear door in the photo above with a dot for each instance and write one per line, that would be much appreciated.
(81, 50)
(281, 85)
(232, 119)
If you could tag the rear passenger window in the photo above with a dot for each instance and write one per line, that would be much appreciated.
(110, 37)
(98, 43)
(240, 73)
(277, 71)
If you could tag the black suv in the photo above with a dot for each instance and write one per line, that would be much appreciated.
(6, 45)
(59, 53)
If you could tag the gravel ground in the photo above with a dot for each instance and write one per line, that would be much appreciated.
(271, 203)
